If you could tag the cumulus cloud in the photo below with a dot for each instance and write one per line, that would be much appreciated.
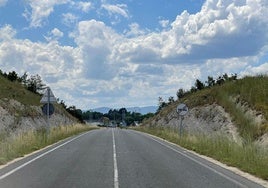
(96, 42)
(222, 29)
(40, 10)
(24, 55)
(225, 36)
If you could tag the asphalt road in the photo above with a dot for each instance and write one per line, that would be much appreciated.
(113, 158)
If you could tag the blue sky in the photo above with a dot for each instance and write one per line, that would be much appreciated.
(122, 53)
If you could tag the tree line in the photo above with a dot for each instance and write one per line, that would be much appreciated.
(32, 83)
(199, 85)
(116, 116)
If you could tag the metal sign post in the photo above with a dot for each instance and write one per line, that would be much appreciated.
(182, 110)
(48, 102)
(48, 108)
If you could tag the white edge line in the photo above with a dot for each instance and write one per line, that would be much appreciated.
(198, 162)
(116, 182)
(38, 157)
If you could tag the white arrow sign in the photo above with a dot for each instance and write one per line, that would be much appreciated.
(48, 97)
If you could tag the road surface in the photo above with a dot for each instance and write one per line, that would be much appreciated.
(113, 158)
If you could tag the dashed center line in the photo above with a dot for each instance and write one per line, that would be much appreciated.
(116, 183)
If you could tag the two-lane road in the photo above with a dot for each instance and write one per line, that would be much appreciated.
(117, 158)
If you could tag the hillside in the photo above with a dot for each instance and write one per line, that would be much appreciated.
(237, 109)
(20, 109)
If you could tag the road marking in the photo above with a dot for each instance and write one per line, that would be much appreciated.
(116, 183)
(198, 162)
(38, 157)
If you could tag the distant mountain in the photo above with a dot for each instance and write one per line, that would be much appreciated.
(142, 110)
(103, 110)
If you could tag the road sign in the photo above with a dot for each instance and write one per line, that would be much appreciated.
(48, 97)
(48, 109)
(182, 109)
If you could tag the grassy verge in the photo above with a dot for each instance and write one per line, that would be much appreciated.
(27, 142)
(253, 92)
(249, 91)
(248, 158)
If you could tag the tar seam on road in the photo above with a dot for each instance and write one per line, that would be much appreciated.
(38, 157)
(198, 162)
(116, 183)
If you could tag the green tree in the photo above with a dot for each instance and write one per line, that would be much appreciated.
(199, 85)
(210, 82)
(35, 84)
(12, 76)
(23, 78)
(180, 93)
(171, 100)
(161, 104)
(76, 113)
(220, 80)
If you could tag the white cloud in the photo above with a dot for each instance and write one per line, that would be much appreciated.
(219, 30)
(164, 23)
(225, 36)
(120, 9)
(40, 10)
(96, 42)
(84, 6)
(255, 70)
(55, 34)
(3, 2)
(7, 32)
(134, 30)
(69, 19)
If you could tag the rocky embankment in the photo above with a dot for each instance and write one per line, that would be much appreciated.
(210, 119)
(16, 117)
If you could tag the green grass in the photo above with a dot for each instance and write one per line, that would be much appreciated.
(17, 92)
(252, 91)
(15, 146)
(248, 158)
(249, 90)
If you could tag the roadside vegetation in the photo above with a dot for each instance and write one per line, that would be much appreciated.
(230, 93)
(28, 89)
(236, 96)
(249, 158)
(23, 143)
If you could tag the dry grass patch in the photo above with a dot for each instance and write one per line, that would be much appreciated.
(24, 143)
